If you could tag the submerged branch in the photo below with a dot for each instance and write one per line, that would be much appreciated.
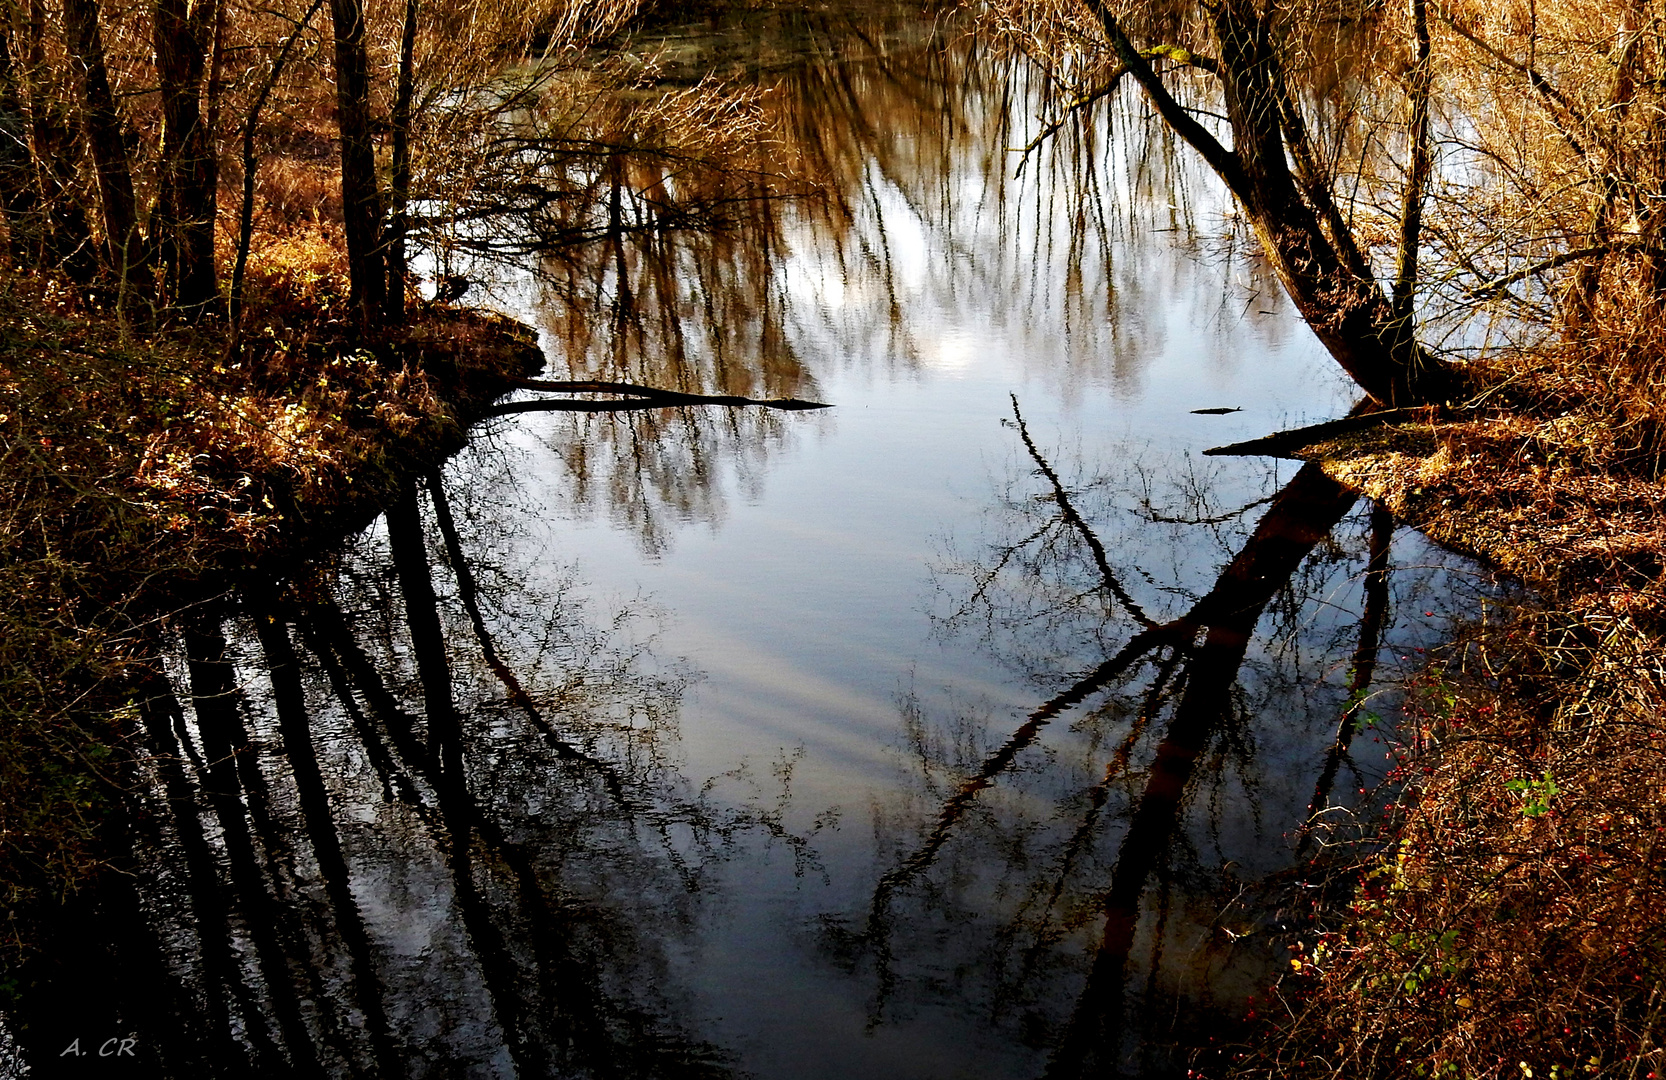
(632, 396)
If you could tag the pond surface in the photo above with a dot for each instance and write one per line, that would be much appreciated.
(966, 728)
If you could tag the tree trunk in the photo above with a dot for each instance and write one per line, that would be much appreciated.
(124, 247)
(66, 242)
(399, 219)
(186, 172)
(1420, 80)
(251, 163)
(361, 202)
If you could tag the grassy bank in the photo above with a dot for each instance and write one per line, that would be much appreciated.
(1512, 921)
(139, 476)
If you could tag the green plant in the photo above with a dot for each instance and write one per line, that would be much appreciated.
(1535, 794)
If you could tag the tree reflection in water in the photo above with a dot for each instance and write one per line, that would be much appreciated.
(1098, 845)
(369, 845)
(873, 200)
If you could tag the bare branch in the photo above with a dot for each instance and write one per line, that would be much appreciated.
(1061, 497)
(632, 397)
(1184, 57)
(1498, 284)
(1560, 108)
(1223, 161)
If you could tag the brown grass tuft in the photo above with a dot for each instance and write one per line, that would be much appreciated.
(1514, 926)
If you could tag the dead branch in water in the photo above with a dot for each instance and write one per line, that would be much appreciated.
(630, 396)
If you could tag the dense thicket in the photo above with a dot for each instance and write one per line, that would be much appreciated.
(128, 125)
(1430, 179)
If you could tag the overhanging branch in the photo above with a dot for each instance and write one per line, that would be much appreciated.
(1497, 285)
(1184, 57)
(1223, 161)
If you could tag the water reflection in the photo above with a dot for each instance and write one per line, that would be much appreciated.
(1080, 891)
(1051, 883)
(369, 845)
(875, 207)
(425, 810)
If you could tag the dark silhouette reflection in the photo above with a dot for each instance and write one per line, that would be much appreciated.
(1360, 672)
(1302, 515)
(1116, 868)
(372, 847)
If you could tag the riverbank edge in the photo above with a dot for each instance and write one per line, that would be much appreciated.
(1516, 925)
(114, 527)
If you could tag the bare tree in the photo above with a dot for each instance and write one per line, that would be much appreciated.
(1278, 176)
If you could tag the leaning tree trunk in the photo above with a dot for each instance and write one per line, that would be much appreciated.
(1293, 217)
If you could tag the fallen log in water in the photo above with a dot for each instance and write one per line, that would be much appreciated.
(1286, 443)
(629, 396)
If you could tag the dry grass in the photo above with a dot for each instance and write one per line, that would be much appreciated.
(1514, 929)
(1530, 495)
(1516, 926)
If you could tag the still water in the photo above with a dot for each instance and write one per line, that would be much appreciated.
(965, 728)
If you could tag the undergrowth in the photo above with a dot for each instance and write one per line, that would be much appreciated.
(138, 476)
(1513, 923)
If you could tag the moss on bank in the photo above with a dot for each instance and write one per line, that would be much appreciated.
(138, 477)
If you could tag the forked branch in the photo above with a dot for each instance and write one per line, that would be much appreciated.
(1183, 57)
(1223, 161)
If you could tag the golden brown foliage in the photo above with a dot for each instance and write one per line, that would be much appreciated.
(1514, 928)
